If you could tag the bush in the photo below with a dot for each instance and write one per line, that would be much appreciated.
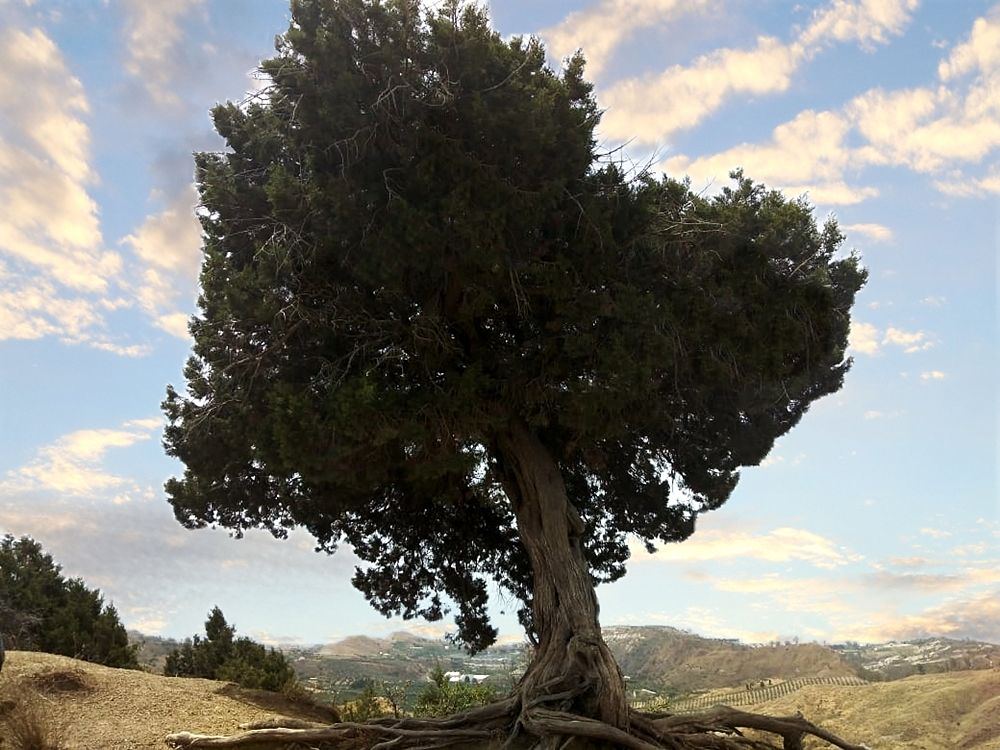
(220, 655)
(26, 727)
(40, 610)
(443, 698)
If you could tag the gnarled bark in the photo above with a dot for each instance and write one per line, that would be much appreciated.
(572, 665)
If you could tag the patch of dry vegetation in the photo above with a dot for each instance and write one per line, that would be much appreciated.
(953, 711)
(90, 707)
(25, 722)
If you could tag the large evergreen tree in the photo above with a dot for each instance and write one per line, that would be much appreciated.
(437, 325)
(41, 610)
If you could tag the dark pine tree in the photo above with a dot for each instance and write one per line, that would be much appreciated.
(437, 325)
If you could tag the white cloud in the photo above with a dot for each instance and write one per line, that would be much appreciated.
(863, 338)
(933, 375)
(909, 341)
(167, 247)
(153, 35)
(980, 52)
(651, 108)
(779, 545)
(933, 301)
(805, 155)
(49, 222)
(937, 129)
(601, 28)
(72, 465)
(171, 239)
(654, 107)
(935, 533)
(868, 22)
(975, 616)
(56, 277)
(960, 185)
(875, 232)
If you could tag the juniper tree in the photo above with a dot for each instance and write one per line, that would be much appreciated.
(436, 324)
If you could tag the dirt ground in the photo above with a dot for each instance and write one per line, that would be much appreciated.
(98, 708)
(952, 711)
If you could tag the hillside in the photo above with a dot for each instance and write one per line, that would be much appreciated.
(956, 711)
(681, 662)
(116, 709)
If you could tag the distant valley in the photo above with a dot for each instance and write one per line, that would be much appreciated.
(658, 661)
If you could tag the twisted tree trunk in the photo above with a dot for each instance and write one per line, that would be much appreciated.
(572, 665)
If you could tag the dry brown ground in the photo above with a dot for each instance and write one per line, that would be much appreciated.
(98, 708)
(953, 711)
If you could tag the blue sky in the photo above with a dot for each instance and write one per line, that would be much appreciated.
(877, 517)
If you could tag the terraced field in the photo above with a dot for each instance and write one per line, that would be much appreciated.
(740, 698)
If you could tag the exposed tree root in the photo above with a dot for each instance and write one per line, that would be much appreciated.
(511, 725)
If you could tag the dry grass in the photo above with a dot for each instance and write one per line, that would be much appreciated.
(952, 711)
(26, 725)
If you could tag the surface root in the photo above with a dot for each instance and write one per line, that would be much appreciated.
(511, 724)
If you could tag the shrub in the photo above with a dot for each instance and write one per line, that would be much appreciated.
(443, 698)
(220, 655)
(26, 727)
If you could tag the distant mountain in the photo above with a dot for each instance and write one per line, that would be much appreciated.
(676, 661)
(366, 646)
(153, 649)
(898, 659)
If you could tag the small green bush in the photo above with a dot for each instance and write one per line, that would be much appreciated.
(443, 698)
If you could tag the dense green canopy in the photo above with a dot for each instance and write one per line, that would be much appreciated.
(42, 610)
(412, 240)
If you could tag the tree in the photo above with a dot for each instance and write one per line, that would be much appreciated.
(40, 610)
(438, 325)
(220, 655)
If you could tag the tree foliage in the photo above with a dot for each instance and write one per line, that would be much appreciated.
(41, 610)
(411, 243)
(220, 655)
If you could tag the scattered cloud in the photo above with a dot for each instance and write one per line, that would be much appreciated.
(57, 279)
(933, 375)
(934, 301)
(167, 247)
(909, 341)
(805, 155)
(936, 129)
(779, 545)
(863, 338)
(652, 108)
(600, 29)
(935, 533)
(154, 34)
(72, 465)
(960, 185)
(874, 232)
(975, 616)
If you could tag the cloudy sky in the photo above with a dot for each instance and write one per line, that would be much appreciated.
(877, 517)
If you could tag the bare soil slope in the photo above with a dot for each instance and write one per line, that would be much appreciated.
(118, 709)
(954, 711)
